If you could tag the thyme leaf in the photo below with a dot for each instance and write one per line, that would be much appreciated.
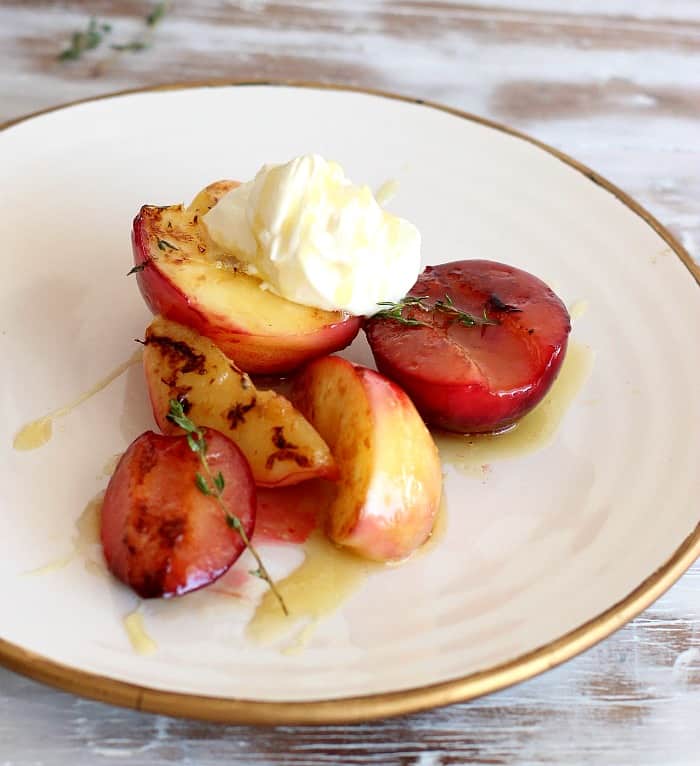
(464, 318)
(498, 305)
(86, 40)
(445, 305)
(395, 310)
(156, 14)
(139, 267)
(132, 47)
(211, 485)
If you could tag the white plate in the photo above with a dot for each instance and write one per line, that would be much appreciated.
(543, 555)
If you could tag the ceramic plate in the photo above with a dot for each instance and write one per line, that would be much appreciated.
(549, 543)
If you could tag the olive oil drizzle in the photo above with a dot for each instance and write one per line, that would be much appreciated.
(135, 629)
(472, 454)
(324, 580)
(38, 432)
(86, 538)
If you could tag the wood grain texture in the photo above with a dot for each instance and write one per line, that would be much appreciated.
(615, 84)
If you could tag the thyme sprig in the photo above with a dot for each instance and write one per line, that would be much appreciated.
(86, 40)
(445, 305)
(146, 40)
(157, 13)
(395, 310)
(95, 32)
(139, 267)
(213, 485)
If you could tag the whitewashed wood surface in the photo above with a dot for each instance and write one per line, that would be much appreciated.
(617, 85)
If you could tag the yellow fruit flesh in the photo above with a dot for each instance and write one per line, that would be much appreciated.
(178, 238)
(339, 410)
(390, 481)
(279, 443)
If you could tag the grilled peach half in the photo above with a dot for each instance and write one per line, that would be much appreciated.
(186, 277)
(281, 446)
(160, 534)
(481, 374)
(390, 481)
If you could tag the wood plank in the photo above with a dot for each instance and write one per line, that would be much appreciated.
(616, 84)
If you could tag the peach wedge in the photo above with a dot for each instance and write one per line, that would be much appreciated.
(390, 481)
(278, 442)
(186, 277)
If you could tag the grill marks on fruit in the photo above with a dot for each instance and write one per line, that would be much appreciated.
(279, 440)
(147, 458)
(180, 393)
(170, 236)
(238, 412)
(287, 454)
(496, 304)
(285, 450)
(178, 356)
(159, 535)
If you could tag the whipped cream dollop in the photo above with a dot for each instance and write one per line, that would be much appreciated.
(315, 238)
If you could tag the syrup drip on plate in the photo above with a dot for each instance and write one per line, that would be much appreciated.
(86, 542)
(326, 577)
(472, 454)
(141, 642)
(38, 432)
(329, 575)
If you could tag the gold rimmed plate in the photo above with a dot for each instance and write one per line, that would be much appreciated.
(549, 544)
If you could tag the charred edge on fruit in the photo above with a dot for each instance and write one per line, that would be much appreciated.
(285, 450)
(237, 414)
(180, 393)
(278, 439)
(170, 531)
(165, 532)
(139, 267)
(287, 454)
(153, 530)
(146, 459)
(496, 304)
(164, 245)
(175, 352)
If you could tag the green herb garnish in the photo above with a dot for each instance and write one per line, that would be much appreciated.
(395, 310)
(139, 267)
(85, 41)
(131, 47)
(498, 305)
(446, 306)
(94, 34)
(213, 486)
(464, 318)
(156, 14)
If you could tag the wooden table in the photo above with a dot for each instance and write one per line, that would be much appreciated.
(617, 85)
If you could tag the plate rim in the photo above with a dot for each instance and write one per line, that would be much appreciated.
(356, 709)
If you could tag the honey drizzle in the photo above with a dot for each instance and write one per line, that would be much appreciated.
(38, 432)
(472, 454)
(140, 641)
(324, 580)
